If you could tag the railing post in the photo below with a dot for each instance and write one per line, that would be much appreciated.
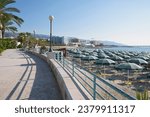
(56, 56)
(73, 67)
(63, 61)
(94, 88)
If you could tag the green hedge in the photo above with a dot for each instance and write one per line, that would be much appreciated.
(7, 44)
(1, 50)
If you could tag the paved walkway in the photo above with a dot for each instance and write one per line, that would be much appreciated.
(26, 77)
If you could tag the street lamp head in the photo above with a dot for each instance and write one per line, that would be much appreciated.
(51, 18)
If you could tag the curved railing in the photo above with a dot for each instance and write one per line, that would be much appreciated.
(97, 88)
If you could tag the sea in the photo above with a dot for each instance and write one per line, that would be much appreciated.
(130, 48)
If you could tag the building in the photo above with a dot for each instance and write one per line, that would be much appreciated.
(65, 40)
(73, 41)
(96, 43)
(60, 40)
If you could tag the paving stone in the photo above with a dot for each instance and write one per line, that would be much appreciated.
(26, 77)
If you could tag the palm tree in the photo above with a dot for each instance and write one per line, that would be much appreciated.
(22, 38)
(7, 24)
(7, 18)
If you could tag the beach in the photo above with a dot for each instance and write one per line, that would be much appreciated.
(132, 80)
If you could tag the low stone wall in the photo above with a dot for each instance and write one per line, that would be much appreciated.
(68, 88)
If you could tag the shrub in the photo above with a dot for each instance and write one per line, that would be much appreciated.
(7, 44)
(142, 95)
(19, 46)
(43, 49)
(1, 50)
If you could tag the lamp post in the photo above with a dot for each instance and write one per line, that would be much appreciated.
(1, 30)
(34, 33)
(51, 18)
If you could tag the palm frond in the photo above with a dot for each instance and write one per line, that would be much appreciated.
(10, 9)
(9, 23)
(7, 18)
(4, 3)
(14, 18)
(12, 29)
(17, 20)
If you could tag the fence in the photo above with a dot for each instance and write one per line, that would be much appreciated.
(96, 87)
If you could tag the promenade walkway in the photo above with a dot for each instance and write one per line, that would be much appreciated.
(26, 77)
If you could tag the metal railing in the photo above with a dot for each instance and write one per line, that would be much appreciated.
(97, 88)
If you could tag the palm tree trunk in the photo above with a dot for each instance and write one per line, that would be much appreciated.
(0, 34)
(3, 34)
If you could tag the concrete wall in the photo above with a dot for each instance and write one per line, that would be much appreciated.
(68, 89)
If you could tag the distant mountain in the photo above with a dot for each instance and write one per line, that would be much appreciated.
(112, 43)
(10, 34)
(43, 36)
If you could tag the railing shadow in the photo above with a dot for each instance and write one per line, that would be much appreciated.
(19, 82)
(45, 86)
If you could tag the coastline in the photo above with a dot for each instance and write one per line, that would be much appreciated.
(135, 81)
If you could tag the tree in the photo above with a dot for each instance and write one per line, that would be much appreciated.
(7, 18)
(7, 24)
(22, 38)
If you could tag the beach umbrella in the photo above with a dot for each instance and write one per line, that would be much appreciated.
(86, 53)
(100, 51)
(128, 67)
(116, 58)
(93, 54)
(125, 56)
(78, 52)
(96, 50)
(110, 54)
(104, 62)
(102, 55)
(138, 61)
(89, 58)
(143, 57)
(78, 56)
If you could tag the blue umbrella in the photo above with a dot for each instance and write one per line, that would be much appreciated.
(89, 58)
(104, 62)
(138, 61)
(128, 67)
(116, 58)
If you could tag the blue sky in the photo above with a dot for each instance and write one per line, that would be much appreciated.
(124, 21)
